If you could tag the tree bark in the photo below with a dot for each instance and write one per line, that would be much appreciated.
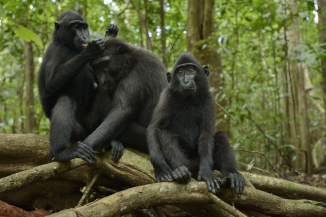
(148, 39)
(299, 85)
(193, 34)
(135, 169)
(285, 188)
(322, 39)
(116, 17)
(143, 23)
(200, 27)
(163, 36)
(273, 205)
(37, 174)
(148, 196)
(29, 56)
(291, 86)
(20, 93)
(128, 14)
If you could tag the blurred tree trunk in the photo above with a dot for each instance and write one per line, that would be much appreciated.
(310, 92)
(81, 9)
(148, 39)
(29, 56)
(20, 93)
(128, 14)
(28, 180)
(200, 27)
(291, 91)
(286, 90)
(322, 39)
(298, 82)
(116, 17)
(163, 37)
(143, 24)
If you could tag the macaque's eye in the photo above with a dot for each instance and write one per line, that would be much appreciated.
(119, 48)
(191, 70)
(76, 25)
(180, 72)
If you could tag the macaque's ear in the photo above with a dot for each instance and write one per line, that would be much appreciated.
(206, 70)
(57, 25)
(168, 76)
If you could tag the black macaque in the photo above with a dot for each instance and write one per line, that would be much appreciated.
(67, 85)
(133, 78)
(181, 136)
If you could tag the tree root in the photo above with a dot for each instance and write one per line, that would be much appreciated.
(37, 174)
(89, 187)
(254, 199)
(285, 188)
(135, 169)
(148, 196)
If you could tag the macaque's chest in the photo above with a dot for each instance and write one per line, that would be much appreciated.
(185, 124)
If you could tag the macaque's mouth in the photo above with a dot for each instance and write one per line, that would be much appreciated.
(84, 45)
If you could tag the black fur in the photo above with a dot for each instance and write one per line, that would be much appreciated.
(181, 136)
(66, 85)
(133, 79)
(111, 30)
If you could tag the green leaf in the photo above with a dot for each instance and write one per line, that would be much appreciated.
(266, 15)
(201, 42)
(312, 59)
(291, 146)
(299, 48)
(248, 19)
(28, 35)
(303, 14)
(2, 11)
(270, 137)
(304, 56)
(320, 56)
(314, 97)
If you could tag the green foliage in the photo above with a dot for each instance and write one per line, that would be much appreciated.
(2, 11)
(27, 35)
(253, 56)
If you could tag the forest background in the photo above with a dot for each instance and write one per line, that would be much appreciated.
(267, 63)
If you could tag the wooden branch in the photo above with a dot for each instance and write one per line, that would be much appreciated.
(255, 152)
(123, 10)
(298, 174)
(286, 188)
(256, 168)
(89, 187)
(37, 174)
(116, 15)
(270, 141)
(254, 199)
(135, 169)
(230, 209)
(19, 152)
(210, 210)
(143, 21)
(163, 36)
(148, 196)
